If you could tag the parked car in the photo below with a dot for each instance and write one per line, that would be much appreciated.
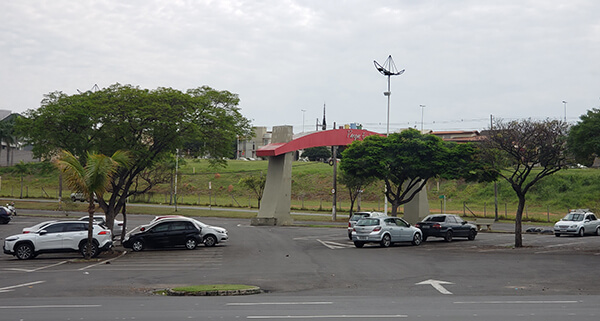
(385, 231)
(101, 219)
(211, 235)
(80, 197)
(56, 237)
(37, 227)
(164, 233)
(578, 222)
(5, 216)
(359, 215)
(446, 226)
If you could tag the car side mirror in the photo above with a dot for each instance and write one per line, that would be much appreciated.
(42, 232)
(463, 223)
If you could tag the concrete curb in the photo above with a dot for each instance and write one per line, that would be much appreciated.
(254, 290)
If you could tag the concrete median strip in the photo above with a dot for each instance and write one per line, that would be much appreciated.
(214, 290)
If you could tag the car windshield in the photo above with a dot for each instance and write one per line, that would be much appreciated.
(368, 222)
(435, 218)
(358, 216)
(575, 217)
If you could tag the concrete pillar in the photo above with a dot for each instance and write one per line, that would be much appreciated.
(418, 208)
(276, 201)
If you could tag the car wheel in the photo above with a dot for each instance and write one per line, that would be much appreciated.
(191, 243)
(472, 235)
(424, 238)
(598, 231)
(417, 239)
(359, 244)
(93, 250)
(73, 199)
(557, 234)
(448, 236)
(386, 241)
(210, 240)
(137, 245)
(581, 232)
(24, 251)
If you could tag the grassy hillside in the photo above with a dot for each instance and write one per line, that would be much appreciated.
(311, 190)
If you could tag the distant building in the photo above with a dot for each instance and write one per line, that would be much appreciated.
(459, 136)
(246, 148)
(13, 152)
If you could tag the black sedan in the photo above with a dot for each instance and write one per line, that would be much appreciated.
(446, 226)
(163, 234)
(4, 216)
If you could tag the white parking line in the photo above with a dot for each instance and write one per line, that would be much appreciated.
(334, 245)
(38, 269)
(10, 288)
(277, 303)
(341, 316)
(102, 262)
(518, 302)
(50, 306)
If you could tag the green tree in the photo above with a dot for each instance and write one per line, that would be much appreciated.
(584, 138)
(317, 153)
(91, 179)
(355, 186)
(522, 153)
(406, 161)
(8, 135)
(256, 184)
(150, 124)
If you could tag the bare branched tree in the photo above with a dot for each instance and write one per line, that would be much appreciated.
(523, 152)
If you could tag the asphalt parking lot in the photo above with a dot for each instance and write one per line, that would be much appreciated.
(296, 259)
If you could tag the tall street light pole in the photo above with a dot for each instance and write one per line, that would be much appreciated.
(388, 69)
(422, 108)
(565, 104)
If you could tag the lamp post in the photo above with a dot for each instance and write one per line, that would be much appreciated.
(388, 69)
(565, 104)
(422, 108)
(303, 113)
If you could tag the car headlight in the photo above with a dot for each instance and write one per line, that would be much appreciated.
(12, 238)
(573, 226)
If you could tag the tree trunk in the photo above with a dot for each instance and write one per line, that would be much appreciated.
(518, 220)
(124, 211)
(91, 208)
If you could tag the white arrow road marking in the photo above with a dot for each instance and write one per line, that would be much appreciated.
(334, 245)
(10, 288)
(437, 285)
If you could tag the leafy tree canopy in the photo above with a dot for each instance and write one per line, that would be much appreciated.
(149, 124)
(584, 138)
(406, 161)
(317, 153)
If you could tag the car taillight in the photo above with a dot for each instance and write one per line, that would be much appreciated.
(104, 232)
(25, 232)
(377, 229)
(120, 224)
(142, 229)
(437, 226)
(349, 224)
(418, 225)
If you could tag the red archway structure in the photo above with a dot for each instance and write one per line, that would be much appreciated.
(334, 137)
(276, 201)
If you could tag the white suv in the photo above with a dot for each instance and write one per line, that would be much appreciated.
(63, 236)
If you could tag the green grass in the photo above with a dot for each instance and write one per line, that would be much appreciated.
(311, 191)
(213, 287)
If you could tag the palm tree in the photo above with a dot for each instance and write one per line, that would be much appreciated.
(91, 179)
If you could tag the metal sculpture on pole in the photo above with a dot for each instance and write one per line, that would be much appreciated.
(388, 69)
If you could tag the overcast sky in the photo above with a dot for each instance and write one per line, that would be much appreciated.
(464, 60)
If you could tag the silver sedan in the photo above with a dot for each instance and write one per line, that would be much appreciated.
(385, 231)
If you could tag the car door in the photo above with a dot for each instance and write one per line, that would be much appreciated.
(589, 223)
(177, 233)
(595, 222)
(404, 231)
(389, 224)
(460, 228)
(50, 237)
(73, 233)
(158, 236)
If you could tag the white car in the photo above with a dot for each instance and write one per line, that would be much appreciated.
(385, 231)
(56, 237)
(360, 215)
(211, 235)
(35, 228)
(101, 219)
(578, 222)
